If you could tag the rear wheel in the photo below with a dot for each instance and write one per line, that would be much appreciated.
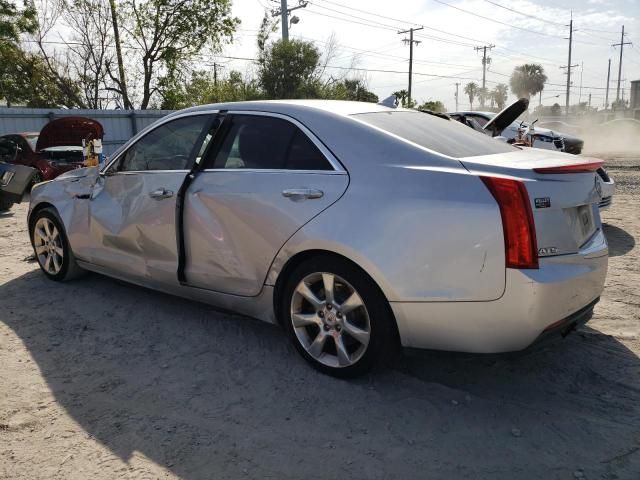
(51, 246)
(337, 318)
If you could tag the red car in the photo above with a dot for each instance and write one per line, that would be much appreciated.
(55, 150)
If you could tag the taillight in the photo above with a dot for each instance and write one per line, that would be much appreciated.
(577, 168)
(521, 250)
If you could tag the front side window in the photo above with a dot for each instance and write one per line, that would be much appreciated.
(263, 142)
(446, 137)
(168, 147)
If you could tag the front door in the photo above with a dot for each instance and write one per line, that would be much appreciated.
(262, 180)
(132, 211)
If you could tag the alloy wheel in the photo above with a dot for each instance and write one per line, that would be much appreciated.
(47, 242)
(330, 320)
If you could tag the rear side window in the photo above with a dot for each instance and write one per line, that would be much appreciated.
(263, 142)
(447, 137)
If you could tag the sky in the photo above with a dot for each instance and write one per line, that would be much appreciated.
(532, 31)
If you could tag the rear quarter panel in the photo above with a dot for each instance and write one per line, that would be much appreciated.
(418, 223)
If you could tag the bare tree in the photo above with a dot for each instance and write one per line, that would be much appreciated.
(91, 50)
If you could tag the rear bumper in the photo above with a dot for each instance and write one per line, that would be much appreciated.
(563, 287)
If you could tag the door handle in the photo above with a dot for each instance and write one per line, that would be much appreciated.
(161, 193)
(302, 193)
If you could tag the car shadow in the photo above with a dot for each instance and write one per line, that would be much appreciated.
(620, 242)
(212, 395)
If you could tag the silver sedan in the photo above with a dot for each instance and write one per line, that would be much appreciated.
(357, 227)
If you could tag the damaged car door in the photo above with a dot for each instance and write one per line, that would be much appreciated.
(132, 211)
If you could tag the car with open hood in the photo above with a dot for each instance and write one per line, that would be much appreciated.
(14, 182)
(56, 149)
(505, 126)
(356, 227)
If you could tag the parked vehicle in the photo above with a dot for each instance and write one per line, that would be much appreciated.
(14, 182)
(355, 226)
(58, 147)
(505, 124)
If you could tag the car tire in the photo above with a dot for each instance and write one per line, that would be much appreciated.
(345, 334)
(51, 246)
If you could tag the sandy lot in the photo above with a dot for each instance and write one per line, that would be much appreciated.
(103, 380)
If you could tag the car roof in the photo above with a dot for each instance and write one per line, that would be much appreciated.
(337, 107)
(471, 112)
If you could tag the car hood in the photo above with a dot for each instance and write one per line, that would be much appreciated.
(506, 117)
(69, 131)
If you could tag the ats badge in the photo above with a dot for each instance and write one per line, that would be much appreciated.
(543, 202)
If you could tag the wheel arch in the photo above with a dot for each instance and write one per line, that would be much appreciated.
(306, 255)
(36, 209)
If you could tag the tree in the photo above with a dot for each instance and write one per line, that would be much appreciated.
(287, 69)
(203, 88)
(93, 35)
(433, 106)
(499, 95)
(169, 33)
(556, 109)
(120, 80)
(403, 99)
(350, 89)
(527, 80)
(483, 95)
(471, 89)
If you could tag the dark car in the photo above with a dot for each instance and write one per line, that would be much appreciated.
(58, 147)
(14, 182)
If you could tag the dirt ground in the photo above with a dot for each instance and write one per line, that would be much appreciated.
(104, 380)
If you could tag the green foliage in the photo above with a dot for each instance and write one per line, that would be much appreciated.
(349, 90)
(14, 21)
(25, 78)
(171, 32)
(287, 70)
(403, 99)
(471, 89)
(499, 95)
(527, 80)
(433, 106)
(203, 88)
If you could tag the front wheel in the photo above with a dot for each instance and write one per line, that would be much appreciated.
(51, 246)
(337, 318)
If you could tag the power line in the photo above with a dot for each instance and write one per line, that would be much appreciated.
(525, 14)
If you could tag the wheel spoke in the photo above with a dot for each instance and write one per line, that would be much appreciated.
(328, 282)
(354, 301)
(343, 355)
(356, 333)
(40, 234)
(47, 263)
(54, 233)
(40, 249)
(59, 251)
(56, 263)
(304, 290)
(47, 227)
(317, 345)
(304, 319)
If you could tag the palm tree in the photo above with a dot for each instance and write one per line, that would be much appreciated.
(471, 89)
(483, 94)
(527, 80)
(499, 95)
(401, 95)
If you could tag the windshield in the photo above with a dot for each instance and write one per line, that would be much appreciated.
(443, 136)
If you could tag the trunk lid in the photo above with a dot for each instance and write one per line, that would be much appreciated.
(564, 205)
(68, 131)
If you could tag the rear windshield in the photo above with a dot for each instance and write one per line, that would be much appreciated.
(447, 137)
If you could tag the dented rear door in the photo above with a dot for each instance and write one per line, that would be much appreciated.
(132, 212)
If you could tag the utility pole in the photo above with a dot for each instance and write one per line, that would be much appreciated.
(569, 67)
(621, 45)
(581, 72)
(215, 74)
(411, 42)
(457, 85)
(606, 98)
(485, 61)
(284, 12)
